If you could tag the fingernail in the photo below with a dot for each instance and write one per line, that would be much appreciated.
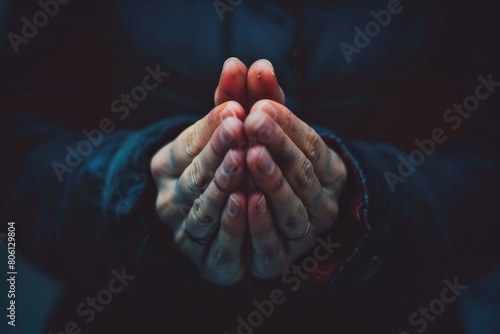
(230, 166)
(228, 111)
(222, 178)
(226, 63)
(271, 65)
(259, 122)
(266, 164)
(264, 131)
(269, 109)
(233, 208)
(261, 205)
(226, 134)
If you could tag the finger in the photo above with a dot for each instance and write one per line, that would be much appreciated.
(267, 246)
(295, 166)
(204, 217)
(262, 83)
(289, 213)
(328, 166)
(173, 158)
(201, 171)
(224, 260)
(232, 83)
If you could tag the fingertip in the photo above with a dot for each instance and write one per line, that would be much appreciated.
(233, 122)
(235, 214)
(254, 121)
(260, 224)
(227, 62)
(265, 105)
(269, 65)
(237, 158)
(232, 109)
(234, 129)
(240, 197)
(233, 62)
(263, 83)
(262, 205)
(257, 202)
(282, 98)
(260, 163)
(232, 82)
(253, 154)
(260, 67)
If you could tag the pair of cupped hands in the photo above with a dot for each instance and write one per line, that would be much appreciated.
(250, 186)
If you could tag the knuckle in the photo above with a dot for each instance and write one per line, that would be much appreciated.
(316, 210)
(302, 214)
(183, 210)
(337, 174)
(278, 184)
(272, 252)
(193, 147)
(158, 166)
(340, 171)
(291, 223)
(164, 204)
(331, 210)
(314, 142)
(328, 216)
(297, 218)
(199, 177)
(201, 215)
(305, 177)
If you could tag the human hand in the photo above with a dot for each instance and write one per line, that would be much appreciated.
(298, 181)
(285, 209)
(197, 176)
(297, 178)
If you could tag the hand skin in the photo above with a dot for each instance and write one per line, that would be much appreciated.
(298, 180)
(198, 176)
(295, 180)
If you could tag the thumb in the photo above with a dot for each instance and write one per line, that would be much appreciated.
(263, 84)
(232, 83)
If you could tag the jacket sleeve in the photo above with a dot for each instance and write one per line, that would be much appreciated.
(75, 176)
(78, 214)
(404, 212)
(412, 209)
